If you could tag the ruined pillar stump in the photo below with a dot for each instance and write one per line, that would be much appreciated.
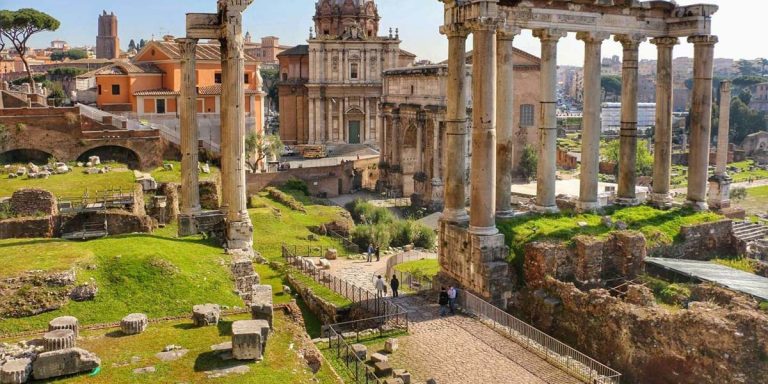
(134, 324)
(16, 371)
(261, 303)
(59, 339)
(248, 339)
(65, 322)
(206, 314)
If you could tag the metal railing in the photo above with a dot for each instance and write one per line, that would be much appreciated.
(547, 347)
(409, 281)
(361, 297)
(360, 372)
(348, 244)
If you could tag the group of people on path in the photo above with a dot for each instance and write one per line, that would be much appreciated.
(373, 251)
(381, 286)
(447, 300)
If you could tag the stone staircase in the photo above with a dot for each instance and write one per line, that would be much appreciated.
(747, 232)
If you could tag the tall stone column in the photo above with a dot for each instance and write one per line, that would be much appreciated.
(239, 227)
(505, 120)
(420, 125)
(437, 178)
(590, 138)
(662, 153)
(628, 135)
(720, 182)
(701, 120)
(456, 126)
(190, 189)
(482, 220)
(546, 170)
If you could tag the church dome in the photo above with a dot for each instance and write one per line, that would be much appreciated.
(334, 18)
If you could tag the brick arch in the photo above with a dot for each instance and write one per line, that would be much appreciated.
(110, 151)
(24, 155)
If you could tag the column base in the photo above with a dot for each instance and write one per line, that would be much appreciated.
(457, 216)
(661, 200)
(587, 206)
(719, 192)
(483, 231)
(188, 224)
(698, 206)
(627, 201)
(239, 236)
(543, 209)
(507, 214)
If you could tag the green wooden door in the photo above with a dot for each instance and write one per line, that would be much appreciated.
(354, 132)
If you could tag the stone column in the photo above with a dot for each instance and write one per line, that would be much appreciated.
(456, 126)
(546, 169)
(420, 124)
(628, 136)
(701, 120)
(437, 178)
(239, 228)
(505, 121)
(720, 182)
(590, 138)
(662, 153)
(190, 192)
(482, 213)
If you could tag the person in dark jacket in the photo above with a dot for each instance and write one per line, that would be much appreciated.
(394, 284)
(378, 253)
(443, 301)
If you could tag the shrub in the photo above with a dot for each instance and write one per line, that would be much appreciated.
(402, 233)
(285, 199)
(366, 213)
(378, 235)
(425, 237)
(297, 185)
(738, 193)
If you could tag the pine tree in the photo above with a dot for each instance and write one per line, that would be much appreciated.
(132, 45)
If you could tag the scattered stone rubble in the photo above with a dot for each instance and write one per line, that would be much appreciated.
(206, 314)
(134, 324)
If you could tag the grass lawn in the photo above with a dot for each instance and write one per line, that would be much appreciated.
(326, 293)
(425, 268)
(275, 224)
(282, 364)
(163, 176)
(374, 343)
(659, 227)
(756, 201)
(72, 184)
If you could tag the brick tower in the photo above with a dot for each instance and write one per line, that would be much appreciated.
(107, 42)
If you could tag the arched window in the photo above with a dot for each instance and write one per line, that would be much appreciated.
(353, 71)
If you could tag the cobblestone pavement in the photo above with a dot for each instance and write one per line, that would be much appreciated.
(460, 350)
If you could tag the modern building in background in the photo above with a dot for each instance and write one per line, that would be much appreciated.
(107, 42)
(267, 50)
(611, 117)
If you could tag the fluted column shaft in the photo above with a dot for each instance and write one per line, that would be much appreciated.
(482, 219)
(628, 133)
(546, 170)
(456, 128)
(505, 121)
(590, 138)
(701, 119)
(724, 128)
(662, 153)
(190, 194)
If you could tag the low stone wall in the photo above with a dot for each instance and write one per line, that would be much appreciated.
(33, 202)
(721, 338)
(28, 227)
(325, 311)
(700, 242)
(210, 195)
(118, 222)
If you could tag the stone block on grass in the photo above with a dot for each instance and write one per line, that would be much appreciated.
(378, 357)
(382, 369)
(58, 339)
(248, 339)
(359, 350)
(206, 314)
(403, 375)
(390, 345)
(64, 322)
(261, 303)
(16, 371)
(63, 362)
(134, 324)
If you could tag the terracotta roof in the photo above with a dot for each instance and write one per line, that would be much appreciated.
(156, 92)
(298, 50)
(215, 89)
(403, 52)
(127, 67)
(204, 52)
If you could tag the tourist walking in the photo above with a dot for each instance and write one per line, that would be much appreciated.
(442, 300)
(378, 253)
(395, 284)
(370, 252)
(452, 292)
(381, 287)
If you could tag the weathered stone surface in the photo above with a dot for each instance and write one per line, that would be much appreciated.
(403, 375)
(84, 292)
(246, 283)
(640, 295)
(394, 381)
(248, 339)
(382, 369)
(390, 346)
(33, 202)
(140, 371)
(206, 314)
(261, 303)
(378, 357)
(134, 323)
(359, 350)
(16, 371)
(242, 267)
(331, 254)
(64, 322)
(59, 339)
(325, 264)
(64, 362)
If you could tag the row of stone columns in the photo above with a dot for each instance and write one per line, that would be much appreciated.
(490, 172)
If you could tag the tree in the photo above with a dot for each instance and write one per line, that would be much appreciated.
(744, 120)
(72, 54)
(270, 77)
(745, 96)
(747, 68)
(132, 45)
(142, 43)
(644, 163)
(528, 162)
(611, 84)
(258, 147)
(19, 26)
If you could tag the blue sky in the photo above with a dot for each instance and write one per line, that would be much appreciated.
(737, 24)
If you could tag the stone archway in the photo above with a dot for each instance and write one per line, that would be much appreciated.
(113, 153)
(24, 156)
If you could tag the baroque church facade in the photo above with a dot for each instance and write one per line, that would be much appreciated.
(330, 90)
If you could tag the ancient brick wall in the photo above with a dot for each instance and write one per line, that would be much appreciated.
(700, 242)
(477, 263)
(720, 338)
(210, 194)
(33, 202)
(28, 227)
(329, 181)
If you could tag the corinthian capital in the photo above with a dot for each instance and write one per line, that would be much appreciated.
(484, 24)
(630, 42)
(454, 30)
(665, 41)
(703, 39)
(187, 47)
(593, 37)
(549, 34)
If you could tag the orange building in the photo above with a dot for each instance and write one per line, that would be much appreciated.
(149, 84)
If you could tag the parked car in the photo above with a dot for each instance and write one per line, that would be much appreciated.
(289, 151)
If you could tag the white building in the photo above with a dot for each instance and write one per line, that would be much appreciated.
(611, 117)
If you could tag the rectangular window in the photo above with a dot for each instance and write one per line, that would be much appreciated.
(353, 71)
(246, 78)
(115, 89)
(160, 106)
(217, 78)
(99, 89)
(526, 115)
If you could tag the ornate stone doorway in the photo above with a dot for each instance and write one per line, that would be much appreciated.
(354, 132)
